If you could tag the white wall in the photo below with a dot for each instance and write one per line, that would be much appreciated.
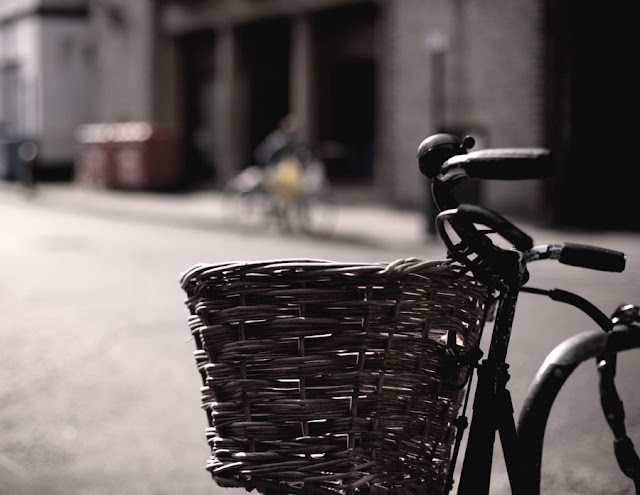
(19, 49)
(124, 61)
(51, 58)
(66, 62)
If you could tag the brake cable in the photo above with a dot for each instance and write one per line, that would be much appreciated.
(602, 320)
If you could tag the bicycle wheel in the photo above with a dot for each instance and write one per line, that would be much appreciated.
(316, 214)
(553, 373)
(248, 210)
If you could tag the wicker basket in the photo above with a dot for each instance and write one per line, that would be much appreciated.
(324, 377)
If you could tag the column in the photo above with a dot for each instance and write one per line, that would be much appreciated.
(302, 87)
(229, 117)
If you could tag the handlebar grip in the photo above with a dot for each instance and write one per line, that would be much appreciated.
(505, 163)
(585, 256)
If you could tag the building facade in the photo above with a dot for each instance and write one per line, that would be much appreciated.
(367, 79)
(46, 72)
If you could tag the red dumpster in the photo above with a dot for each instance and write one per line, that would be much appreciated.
(145, 156)
(95, 166)
(130, 155)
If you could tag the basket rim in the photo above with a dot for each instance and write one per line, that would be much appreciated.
(397, 268)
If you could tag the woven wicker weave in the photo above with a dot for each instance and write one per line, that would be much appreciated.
(325, 378)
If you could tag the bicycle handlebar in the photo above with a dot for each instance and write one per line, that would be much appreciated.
(445, 159)
(500, 164)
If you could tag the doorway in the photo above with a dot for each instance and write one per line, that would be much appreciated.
(265, 49)
(198, 54)
(587, 111)
(347, 87)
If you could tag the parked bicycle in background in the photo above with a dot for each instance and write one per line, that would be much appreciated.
(287, 187)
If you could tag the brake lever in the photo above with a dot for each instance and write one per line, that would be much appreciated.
(475, 249)
(500, 225)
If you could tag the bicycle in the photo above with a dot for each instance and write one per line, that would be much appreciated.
(287, 195)
(323, 377)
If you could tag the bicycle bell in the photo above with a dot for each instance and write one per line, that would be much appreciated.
(437, 149)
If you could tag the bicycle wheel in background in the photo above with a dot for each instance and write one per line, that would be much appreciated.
(317, 213)
(246, 204)
(250, 210)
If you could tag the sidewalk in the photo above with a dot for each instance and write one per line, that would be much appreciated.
(363, 221)
(356, 221)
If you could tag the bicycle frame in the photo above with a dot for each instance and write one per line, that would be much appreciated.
(492, 408)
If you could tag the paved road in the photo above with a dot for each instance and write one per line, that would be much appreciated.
(99, 393)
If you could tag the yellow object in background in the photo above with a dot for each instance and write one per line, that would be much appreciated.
(286, 180)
